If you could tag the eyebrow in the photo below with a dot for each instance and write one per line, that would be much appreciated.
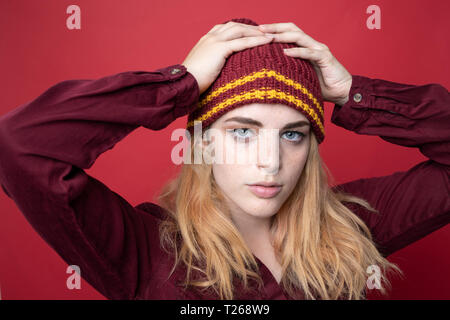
(250, 121)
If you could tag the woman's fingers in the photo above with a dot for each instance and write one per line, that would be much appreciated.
(239, 30)
(298, 37)
(215, 28)
(248, 42)
(335, 80)
(304, 53)
(206, 59)
(308, 47)
(279, 27)
(289, 33)
(240, 36)
(231, 24)
(317, 55)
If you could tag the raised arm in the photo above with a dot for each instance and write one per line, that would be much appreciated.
(47, 143)
(411, 203)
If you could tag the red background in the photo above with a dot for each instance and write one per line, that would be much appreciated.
(37, 51)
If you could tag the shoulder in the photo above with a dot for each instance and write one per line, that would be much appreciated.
(153, 209)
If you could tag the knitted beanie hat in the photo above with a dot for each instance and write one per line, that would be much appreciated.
(262, 74)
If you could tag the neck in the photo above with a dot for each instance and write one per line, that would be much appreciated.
(254, 230)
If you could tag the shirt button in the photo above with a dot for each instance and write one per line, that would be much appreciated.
(357, 97)
(175, 70)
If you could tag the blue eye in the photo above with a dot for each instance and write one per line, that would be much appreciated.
(236, 133)
(294, 136)
(245, 134)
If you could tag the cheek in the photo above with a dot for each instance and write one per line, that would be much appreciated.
(294, 165)
(297, 161)
(226, 176)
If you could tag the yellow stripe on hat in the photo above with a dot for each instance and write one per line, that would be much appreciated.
(257, 75)
(261, 94)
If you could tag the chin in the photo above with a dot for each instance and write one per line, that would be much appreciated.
(263, 208)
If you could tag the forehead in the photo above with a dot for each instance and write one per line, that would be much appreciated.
(266, 113)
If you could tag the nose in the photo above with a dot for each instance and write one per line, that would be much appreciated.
(269, 151)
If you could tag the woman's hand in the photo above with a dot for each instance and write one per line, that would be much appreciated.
(206, 59)
(335, 80)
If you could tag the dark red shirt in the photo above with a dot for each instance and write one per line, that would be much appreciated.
(46, 143)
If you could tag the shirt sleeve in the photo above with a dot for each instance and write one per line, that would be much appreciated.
(46, 144)
(411, 203)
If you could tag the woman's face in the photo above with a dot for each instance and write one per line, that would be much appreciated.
(277, 136)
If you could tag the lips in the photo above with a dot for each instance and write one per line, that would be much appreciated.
(265, 190)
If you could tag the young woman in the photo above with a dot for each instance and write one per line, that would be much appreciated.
(223, 231)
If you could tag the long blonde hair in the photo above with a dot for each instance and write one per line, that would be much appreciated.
(323, 248)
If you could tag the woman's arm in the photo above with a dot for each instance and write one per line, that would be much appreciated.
(411, 203)
(45, 145)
